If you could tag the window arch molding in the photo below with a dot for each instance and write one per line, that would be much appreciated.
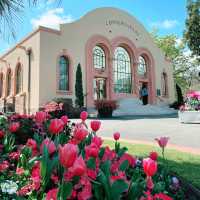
(18, 79)
(68, 90)
(142, 51)
(122, 71)
(9, 84)
(130, 47)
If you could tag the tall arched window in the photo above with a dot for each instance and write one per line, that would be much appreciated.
(18, 79)
(164, 84)
(1, 85)
(142, 66)
(8, 80)
(99, 58)
(64, 73)
(122, 71)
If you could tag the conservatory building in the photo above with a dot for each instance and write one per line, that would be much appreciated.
(117, 56)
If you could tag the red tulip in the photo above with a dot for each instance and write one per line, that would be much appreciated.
(83, 115)
(56, 126)
(52, 194)
(80, 134)
(1, 134)
(65, 119)
(162, 141)
(14, 127)
(95, 125)
(153, 155)
(79, 167)
(68, 154)
(149, 166)
(40, 117)
(116, 135)
(49, 144)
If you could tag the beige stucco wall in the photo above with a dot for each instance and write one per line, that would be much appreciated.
(18, 54)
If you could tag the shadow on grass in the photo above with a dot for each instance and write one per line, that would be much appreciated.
(188, 174)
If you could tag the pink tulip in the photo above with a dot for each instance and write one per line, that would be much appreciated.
(65, 119)
(80, 134)
(14, 127)
(52, 194)
(97, 140)
(68, 154)
(56, 126)
(79, 167)
(162, 141)
(95, 125)
(40, 117)
(83, 115)
(149, 166)
(49, 144)
(116, 136)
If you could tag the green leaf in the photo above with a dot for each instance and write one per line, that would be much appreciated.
(104, 180)
(117, 188)
(124, 165)
(105, 167)
(91, 164)
(65, 190)
(135, 191)
(122, 151)
(101, 152)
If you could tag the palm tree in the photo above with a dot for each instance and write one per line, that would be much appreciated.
(9, 15)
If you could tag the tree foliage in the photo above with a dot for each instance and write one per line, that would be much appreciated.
(79, 87)
(192, 32)
(186, 67)
(10, 11)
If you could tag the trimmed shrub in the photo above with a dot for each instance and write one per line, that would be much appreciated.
(105, 107)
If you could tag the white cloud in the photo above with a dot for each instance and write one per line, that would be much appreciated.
(52, 18)
(51, 1)
(165, 24)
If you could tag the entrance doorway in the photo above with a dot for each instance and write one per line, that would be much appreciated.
(99, 87)
(144, 92)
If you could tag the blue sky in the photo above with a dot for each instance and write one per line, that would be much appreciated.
(168, 16)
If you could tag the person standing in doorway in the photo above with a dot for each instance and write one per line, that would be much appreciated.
(144, 94)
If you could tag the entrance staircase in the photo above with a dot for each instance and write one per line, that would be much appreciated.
(133, 106)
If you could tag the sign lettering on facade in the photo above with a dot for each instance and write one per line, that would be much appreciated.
(112, 22)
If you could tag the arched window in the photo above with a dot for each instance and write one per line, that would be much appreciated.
(164, 84)
(142, 66)
(63, 73)
(1, 85)
(122, 71)
(99, 58)
(8, 80)
(18, 79)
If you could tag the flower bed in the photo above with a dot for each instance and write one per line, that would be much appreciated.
(190, 111)
(62, 160)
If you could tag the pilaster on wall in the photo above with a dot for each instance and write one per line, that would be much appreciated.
(20, 102)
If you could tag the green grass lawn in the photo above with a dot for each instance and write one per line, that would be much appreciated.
(185, 165)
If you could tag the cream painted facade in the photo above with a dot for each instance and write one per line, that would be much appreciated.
(39, 53)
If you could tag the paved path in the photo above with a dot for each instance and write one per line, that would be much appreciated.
(146, 129)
